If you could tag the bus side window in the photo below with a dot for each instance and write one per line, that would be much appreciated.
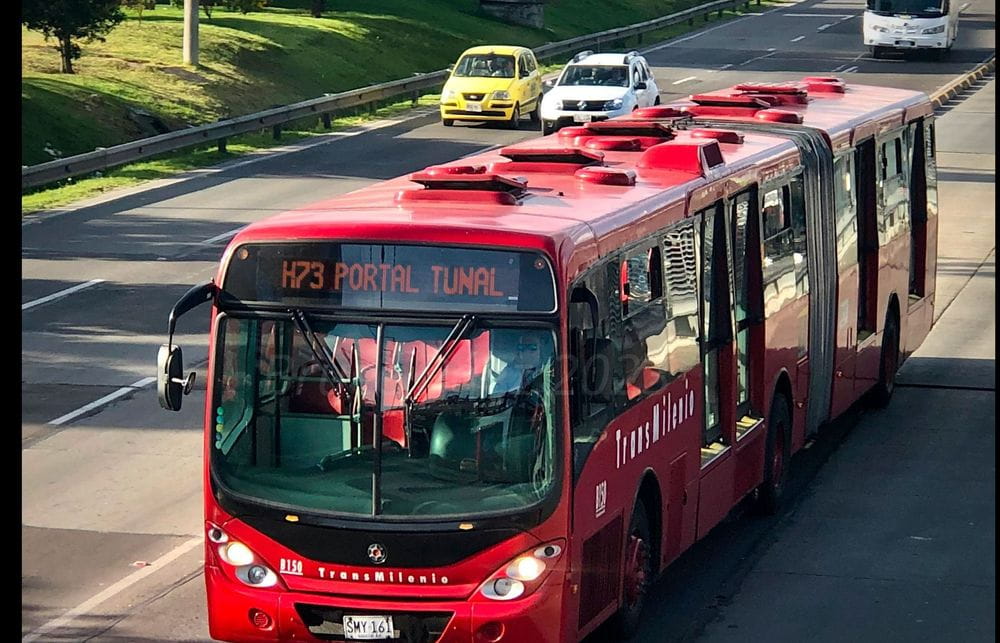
(779, 266)
(716, 315)
(845, 204)
(680, 267)
(796, 199)
(644, 321)
(593, 362)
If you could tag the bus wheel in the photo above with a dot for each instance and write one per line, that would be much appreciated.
(638, 573)
(770, 491)
(888, 363)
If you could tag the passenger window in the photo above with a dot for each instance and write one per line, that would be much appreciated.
(845, 204)
(778, 262)
(796, 197)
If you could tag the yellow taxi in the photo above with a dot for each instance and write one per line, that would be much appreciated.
(493, 83)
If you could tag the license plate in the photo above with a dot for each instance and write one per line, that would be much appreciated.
(582, 118)
(906, 43)
(367, 628)
(474, 107)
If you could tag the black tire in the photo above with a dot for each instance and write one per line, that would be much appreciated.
(515, 118)
(548, 128)
(638, 557)
(656, 101)
(447, 122)
(536, 114)
(888, 363)
(876, 52)
(776, 454)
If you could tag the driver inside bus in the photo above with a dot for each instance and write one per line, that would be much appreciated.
(524, 365)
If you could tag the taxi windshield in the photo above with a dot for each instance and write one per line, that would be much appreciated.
(485, 66)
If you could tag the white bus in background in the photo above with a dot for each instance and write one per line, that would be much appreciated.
(910, 25)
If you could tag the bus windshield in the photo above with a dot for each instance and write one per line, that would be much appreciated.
(924, 8)
(473, 434)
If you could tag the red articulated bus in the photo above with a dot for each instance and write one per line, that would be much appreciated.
(494, 399)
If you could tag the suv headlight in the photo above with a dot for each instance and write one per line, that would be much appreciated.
(448, 94)
(937, 29)
(557, 104)
(501, 94)
(880, 29)
(612, 105)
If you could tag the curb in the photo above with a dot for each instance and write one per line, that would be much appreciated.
(955, 87)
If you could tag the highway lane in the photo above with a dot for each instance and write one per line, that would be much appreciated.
(124, 485)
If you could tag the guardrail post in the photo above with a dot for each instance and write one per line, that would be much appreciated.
(326, 121)
(720, 11)
(414, 98)
(690, 22)
(276, 132)
(222, 146)
(640, 38)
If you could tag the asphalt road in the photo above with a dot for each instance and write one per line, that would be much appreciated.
(111, 494)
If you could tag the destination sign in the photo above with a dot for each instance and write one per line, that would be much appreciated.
(390, 277)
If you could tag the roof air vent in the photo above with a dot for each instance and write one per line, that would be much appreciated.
(552, 160)
(606, 175)
(615, 143)
(733, 100)
(723, 136)
(778, 116)
(450, 170)
(771, 88)
(696, 157)
(830, 84)
(626, 128)
(658, 111)
(464, 188)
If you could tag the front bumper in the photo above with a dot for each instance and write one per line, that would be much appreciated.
(299, 616)
(907, 41)
(490, 111)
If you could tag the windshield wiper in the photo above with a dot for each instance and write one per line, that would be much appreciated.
(436, 363)
(320, 351)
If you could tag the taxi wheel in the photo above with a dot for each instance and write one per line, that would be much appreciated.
(515, 118)
(536, 114)
(656, 101)
(447, 122)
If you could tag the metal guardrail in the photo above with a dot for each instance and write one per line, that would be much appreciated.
(103, 158)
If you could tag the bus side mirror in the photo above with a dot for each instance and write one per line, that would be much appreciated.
(171, 384)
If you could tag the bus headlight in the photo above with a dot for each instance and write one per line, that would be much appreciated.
(522, 575)
(246, 565)
(937, 29)
(236, 554)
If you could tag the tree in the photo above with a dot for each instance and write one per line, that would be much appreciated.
(137, 5)
(70, 20)
(245, 6)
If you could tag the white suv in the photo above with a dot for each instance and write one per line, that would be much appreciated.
(595, 87)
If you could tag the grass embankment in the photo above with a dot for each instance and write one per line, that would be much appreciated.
(251, 62)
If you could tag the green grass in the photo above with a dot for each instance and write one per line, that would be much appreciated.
(256, 61)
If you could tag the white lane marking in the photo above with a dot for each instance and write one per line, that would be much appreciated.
(851, 69)
(61, 293)
(771, 49)
(847, 18)
(712, 71)
(125, 390)
(837, 68)
(822, 27)
(123, 584)
(684, 80)
(220, 237)
(747, 62)
(819, 15)
(796, 39)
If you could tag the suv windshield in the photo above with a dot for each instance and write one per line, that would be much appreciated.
(616, 76)
(474, 434)
(485, 65)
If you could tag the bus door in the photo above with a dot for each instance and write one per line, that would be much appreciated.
(748, 318)
(850, 285)
(716, 488)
